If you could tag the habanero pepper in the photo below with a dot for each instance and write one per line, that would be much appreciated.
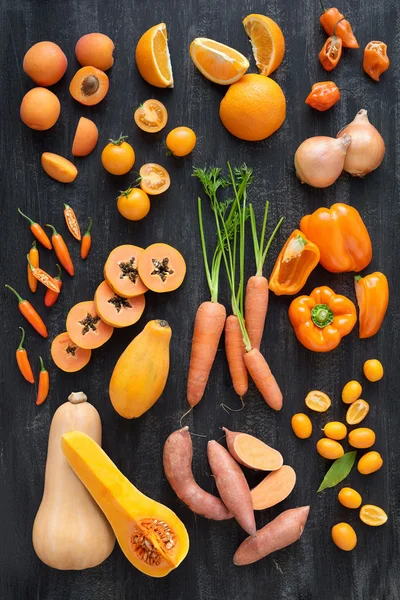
(38, 231)
(341, 236)
(50, 296)
(331, 52)
(372, 293)
(31, 315)
(294, 264)
(323, 95)
(61, 250)
(321, 319)
(43, 277)
(23, 361)
(376, 60)
(34, 260)
(330, 18)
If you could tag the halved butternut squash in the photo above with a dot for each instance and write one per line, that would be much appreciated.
(85, 327)
(162, 268)
(121, 271)
(116, 310)
(150, 534)
(68, 356)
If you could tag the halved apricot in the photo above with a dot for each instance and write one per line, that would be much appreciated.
(58, 167)
(116, 310)
(67, 356)
(96, 50)
(162, 268)
(85, 328)
(89, 86)
(151, 116)
(86, 136)
(154, 179)
(121, 271)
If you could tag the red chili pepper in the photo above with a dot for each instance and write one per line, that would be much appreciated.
(72, 222)
(23, 361)
(86, 241)
(329, 18)
(323, 95)
(34, 260)
(51, 297)
(30, 314)
(44, 383)
(43, 277)
(331, 52)
(38, 232)
(61, 250)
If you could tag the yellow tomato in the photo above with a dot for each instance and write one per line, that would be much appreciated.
(318, 401)
(349, 498)
(357, 412)
(151, 116)
(133, 204)
(370, 462)
(362, 437)
(373, 515)
(335, 430)
(181, 141)
(373, 369)
(118, 157)
(351, 392)
(344, 536)
(329, 449)
(302, 426)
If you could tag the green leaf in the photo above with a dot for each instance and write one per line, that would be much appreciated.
(338, 471)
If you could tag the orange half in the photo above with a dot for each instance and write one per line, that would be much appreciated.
(267, 42)
(152, 57)
(219, 63)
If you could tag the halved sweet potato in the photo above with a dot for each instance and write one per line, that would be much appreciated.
(116, 310)
(85, 328)
(274, 488)
(162, 268)
(252, 452)
(68, 356)
(121, 271)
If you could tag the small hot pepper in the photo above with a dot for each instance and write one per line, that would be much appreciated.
(43, 277)
(34, 260)
(44, 383)
(376, 60)
(50, 296)
(294, 264)
(331, 52)
(61, 250)
(373, 298)
(323, 95)
(322, 319)
(38, 232)
(30, 314)
(72, 222)
(86, 241)
(23, 361)
(341, 236)
(330, 18)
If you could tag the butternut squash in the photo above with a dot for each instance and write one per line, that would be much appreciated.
(150, 534)
(141, 372)
(70, 532)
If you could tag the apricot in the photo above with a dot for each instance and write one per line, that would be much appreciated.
(45, 63)
(86, 136)
(40, 109)
(95, 50)
(89, 86)
(58, 167)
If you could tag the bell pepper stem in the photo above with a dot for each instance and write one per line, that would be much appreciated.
(321, 315)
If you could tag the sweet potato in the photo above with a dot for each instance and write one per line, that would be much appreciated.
(274, 488)
(178, 454)
(279, 533)
(232, 486)
(252, 452)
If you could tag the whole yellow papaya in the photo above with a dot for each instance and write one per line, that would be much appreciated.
(141, 372)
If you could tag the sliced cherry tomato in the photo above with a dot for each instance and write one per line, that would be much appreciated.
(154, 179)
(151, 116)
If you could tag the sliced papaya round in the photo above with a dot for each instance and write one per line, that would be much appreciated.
(162, 268)
(68, 356)
(121, 271)
(85, 327)
(116, 310)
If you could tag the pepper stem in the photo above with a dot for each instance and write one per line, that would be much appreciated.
(42, 367)
(322, 315)
(29, 263)
(322, 6)
(357, 278)
(119, 141)
(15, 292)
(26, 217)
(53, 228)
(90, 226)
(59, 274)
(21, 344)
(34, 244)
(334, 27)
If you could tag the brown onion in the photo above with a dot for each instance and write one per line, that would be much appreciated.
(319, 160)
(367, 147)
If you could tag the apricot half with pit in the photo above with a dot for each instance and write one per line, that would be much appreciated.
(89, 86)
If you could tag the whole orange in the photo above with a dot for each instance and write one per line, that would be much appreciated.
(253, 108)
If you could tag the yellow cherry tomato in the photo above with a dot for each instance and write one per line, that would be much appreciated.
(373, 515)
(301, 425)
(118, 157)
(344, 536)
(181, 141)
(362, 437)
(335, 430)
(373, 369)
(370, 462)
(349, 498)
(318, 401)
(329, 449)
(357, 412)
(351, 392)
(151, 116)
(154, 179)
(133, 204)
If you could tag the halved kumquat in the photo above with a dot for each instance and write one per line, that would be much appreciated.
(373, 515)
(217, 62)
(318, 401)
(357, 412)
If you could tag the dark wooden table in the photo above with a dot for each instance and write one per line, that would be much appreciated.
(313, 568)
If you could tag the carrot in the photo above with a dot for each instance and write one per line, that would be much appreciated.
(263, 378)
(234, 348)
(34, 259)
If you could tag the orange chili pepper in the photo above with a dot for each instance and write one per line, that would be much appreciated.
(294, 264)
(373, 298)
(50, 296)
(330, 18)
(376, 60)
(23, 361)
(321, 319)
(34, 260)
(61, 250)
(86, 241)
(38, 232)
(43, 277)
(331, 52)
(44, 383)
(72, 222)
(30, 314)
(323, 95)
(341, 236)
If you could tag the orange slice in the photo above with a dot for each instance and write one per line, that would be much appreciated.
(373, 515)
(152, 57)
(318, 401)
(267, 41)
(219, 63)
(357, 412)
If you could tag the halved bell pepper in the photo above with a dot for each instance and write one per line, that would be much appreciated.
(294, 264)
(321, 319)
(341, 236)
(373, 298)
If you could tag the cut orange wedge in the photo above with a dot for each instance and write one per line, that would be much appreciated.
(357, 412)
(152, 57)
(318, 401)
(267, 42)
(373, 515)
(219, 63)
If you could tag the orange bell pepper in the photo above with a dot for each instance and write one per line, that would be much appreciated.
(373, 298)
(294, 264)
(341, 237)
(376, 60)
(321, 319)
(328, 20)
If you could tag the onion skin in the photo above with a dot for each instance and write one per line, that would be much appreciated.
(319, 160)
(367, 148)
